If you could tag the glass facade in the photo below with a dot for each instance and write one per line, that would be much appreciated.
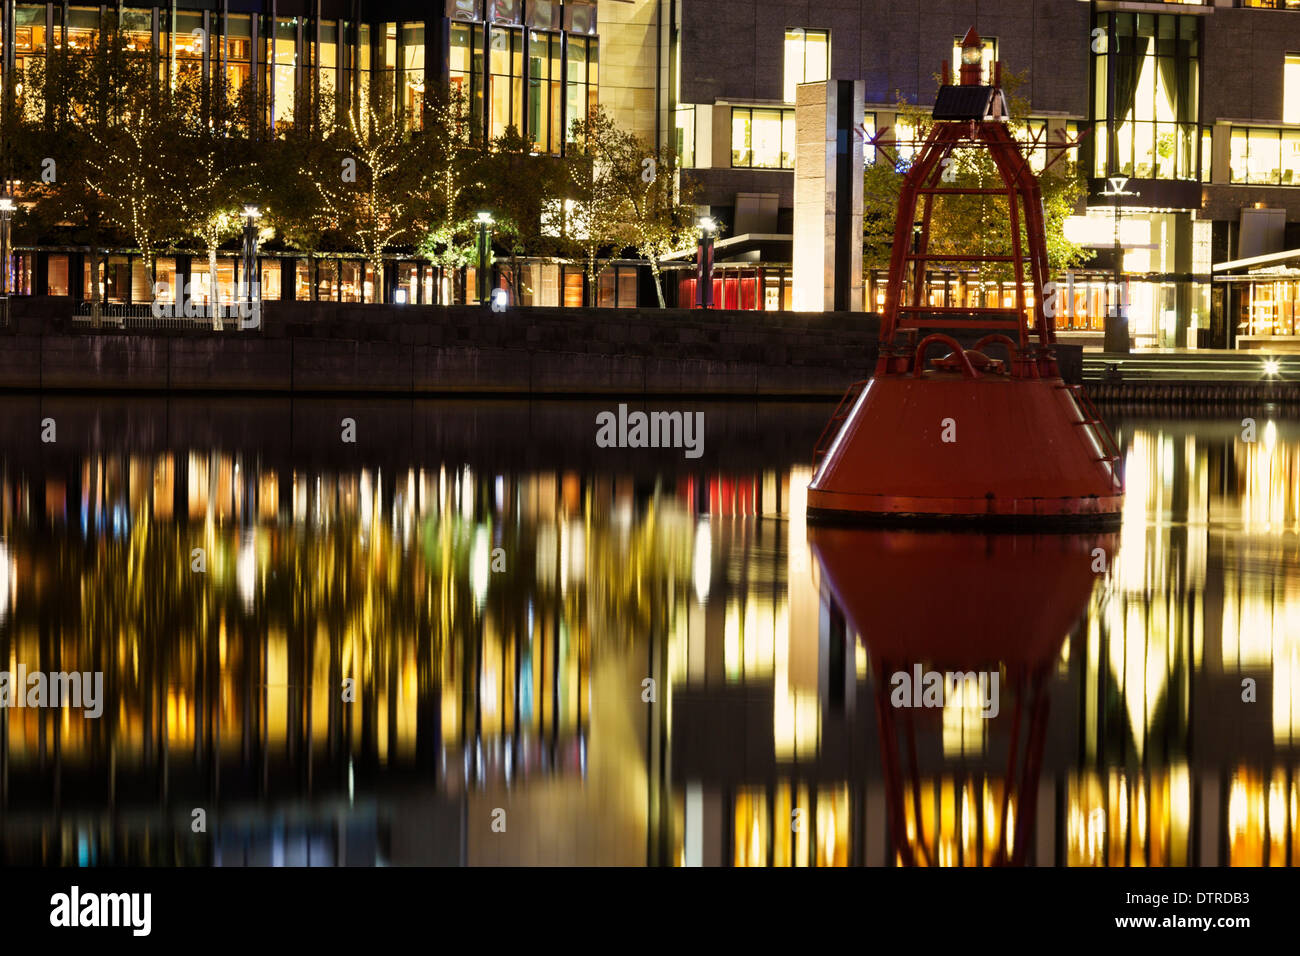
(1146, 77)
(534, 67)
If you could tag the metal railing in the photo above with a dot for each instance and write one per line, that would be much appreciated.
(140, 316)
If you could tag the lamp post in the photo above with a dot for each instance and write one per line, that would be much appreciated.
(6, 212)
(704, 273)
(251, 215)
(1116, 331)
(484, 255)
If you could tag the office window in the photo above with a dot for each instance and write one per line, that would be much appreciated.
(1070, 164)
(384, 65)
(545, 85)
(1272, 4)
(328, 77)
(239, 48)
(362, 61)
(413, 74)
(990, 45)
(580, 17)
(56, 282)
(186, 46)
(807, 58)
(867, 131)
(1291, 89)
(762, 138)
(905, 138)
(83, 28)
(1264, 157)
(544, 15)
(685, 144)
(507, 85)
(281, 65)
(466, 68)
(583, 63)
(1207, 153)
(465, 9)
(506, 11)
(1037, 155)
(136, 27)
(1148, 129)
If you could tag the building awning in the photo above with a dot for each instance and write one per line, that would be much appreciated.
(758, 246)
(1255, 263)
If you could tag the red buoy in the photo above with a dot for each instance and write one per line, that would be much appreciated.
(985, 431)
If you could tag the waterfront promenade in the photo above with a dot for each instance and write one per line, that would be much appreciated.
(311, 348)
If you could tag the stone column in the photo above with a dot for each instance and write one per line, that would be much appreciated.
(828, 197)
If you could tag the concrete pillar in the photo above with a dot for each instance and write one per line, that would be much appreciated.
(828, 197)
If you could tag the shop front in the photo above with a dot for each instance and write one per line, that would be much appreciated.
(1259, 299)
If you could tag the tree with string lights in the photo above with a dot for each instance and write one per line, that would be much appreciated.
(593, 218)
(223, 168)
(135, 161)
(304, 154)
(368, 191)
(515, 185)
(445, 169)
(659, 212)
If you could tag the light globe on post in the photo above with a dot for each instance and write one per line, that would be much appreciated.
(7, 208)
(484, 255)
(251, 214)
(704, 272)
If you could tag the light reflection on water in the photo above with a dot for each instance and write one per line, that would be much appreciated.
(640, 661)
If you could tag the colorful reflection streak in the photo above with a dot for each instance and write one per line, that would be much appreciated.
(636, 666)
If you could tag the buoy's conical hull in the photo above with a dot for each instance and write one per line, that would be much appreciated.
(945, 447)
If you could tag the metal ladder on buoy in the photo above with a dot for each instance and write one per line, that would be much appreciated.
(1101, 432)
(832, 429)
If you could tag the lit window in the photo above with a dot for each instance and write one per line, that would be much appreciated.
(762, 139)
(1150, 76)
(544, 91)
(1291, 89)
(868, 132)
(990, 54)
(1264, 157)
(685, 146)
(505, 63)
(413, 73)
(584, 57)
(466, 67)
(807, 58)
(905, 142)
(1037, 155)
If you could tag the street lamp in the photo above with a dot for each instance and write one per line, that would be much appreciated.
(704, 272)
(484, 252)
(1116, 332)
(6, 211)
(251, 215)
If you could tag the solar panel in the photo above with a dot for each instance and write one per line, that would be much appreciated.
(962, 102)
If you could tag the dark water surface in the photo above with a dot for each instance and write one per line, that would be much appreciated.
(559, 653)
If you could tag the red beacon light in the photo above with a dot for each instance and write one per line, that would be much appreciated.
(986, 431)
